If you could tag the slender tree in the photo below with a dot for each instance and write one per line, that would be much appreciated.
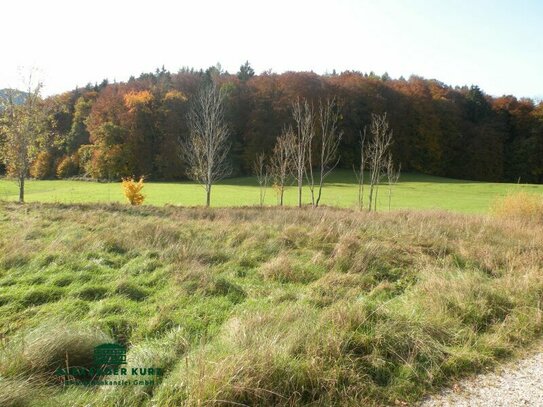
(260, 169)
(206, 148)
(377, 153)
(393, 175)
(280, 164)
(299, 145)
(330, 137)
(24, 133)
(359, 173)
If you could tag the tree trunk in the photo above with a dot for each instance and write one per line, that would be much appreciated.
(321, 181)
(312, 189)
(208, 196)
(389, 196)
(300, 192)
(361, 190)
(318, 197)
(311, 181)
(21, 189)
(371, 196)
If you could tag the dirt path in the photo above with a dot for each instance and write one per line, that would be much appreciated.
(515, 384)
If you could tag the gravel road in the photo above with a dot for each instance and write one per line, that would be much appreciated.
(516, 384)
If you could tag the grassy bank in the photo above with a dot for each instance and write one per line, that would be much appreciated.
(414, 191)
(260, 307)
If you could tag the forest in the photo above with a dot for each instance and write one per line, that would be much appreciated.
(111, 130)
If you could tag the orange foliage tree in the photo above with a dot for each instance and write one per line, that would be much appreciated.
(128, 128)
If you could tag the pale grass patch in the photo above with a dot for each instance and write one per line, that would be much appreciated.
(279, 268)
(520, 206)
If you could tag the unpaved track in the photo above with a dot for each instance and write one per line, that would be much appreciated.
(516, 384)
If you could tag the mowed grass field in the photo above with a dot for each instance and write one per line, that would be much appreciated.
(414, 191)
(260, 307)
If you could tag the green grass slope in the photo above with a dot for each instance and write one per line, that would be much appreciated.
(260, 307)
(415, 191)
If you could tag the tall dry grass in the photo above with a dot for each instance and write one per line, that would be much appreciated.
(520, 206)
(270, 306)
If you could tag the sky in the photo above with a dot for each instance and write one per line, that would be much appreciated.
(497, 45)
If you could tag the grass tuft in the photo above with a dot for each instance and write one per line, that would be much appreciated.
(41, 295)
(51, 345)
(92, 292)
(131, 290)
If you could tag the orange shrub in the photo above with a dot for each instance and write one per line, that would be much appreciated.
(132, 190)
(523, 206)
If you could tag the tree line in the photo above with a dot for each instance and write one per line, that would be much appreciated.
(114, 130)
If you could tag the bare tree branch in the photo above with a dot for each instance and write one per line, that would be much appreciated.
(207, 146)
(299, 146)
(330, 138)
(359, 174)
(377, 152)
(393, 176)
(260, 169)
(281, 163)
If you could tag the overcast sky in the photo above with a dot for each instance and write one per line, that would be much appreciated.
(495, 44)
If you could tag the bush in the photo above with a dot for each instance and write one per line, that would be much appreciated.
(42, 167)
(521, 206)
(132, 190)
(102, 162)
(84, 157)
(68, 166)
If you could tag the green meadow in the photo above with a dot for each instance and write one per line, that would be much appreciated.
(414, 191)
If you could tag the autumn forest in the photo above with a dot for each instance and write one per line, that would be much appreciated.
(111, 130)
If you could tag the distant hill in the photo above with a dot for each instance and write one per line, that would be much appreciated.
(19, 96)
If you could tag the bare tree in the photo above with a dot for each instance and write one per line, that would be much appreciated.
(299, 146)
(359, 174)
(393, 175)
(260, 169)
(206, 148)
(280, 164)
(23, 132)
(377, 153)
(330, 137)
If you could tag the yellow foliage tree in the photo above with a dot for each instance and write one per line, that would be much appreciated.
(134, 99)
(175, 95)
(132, 190)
